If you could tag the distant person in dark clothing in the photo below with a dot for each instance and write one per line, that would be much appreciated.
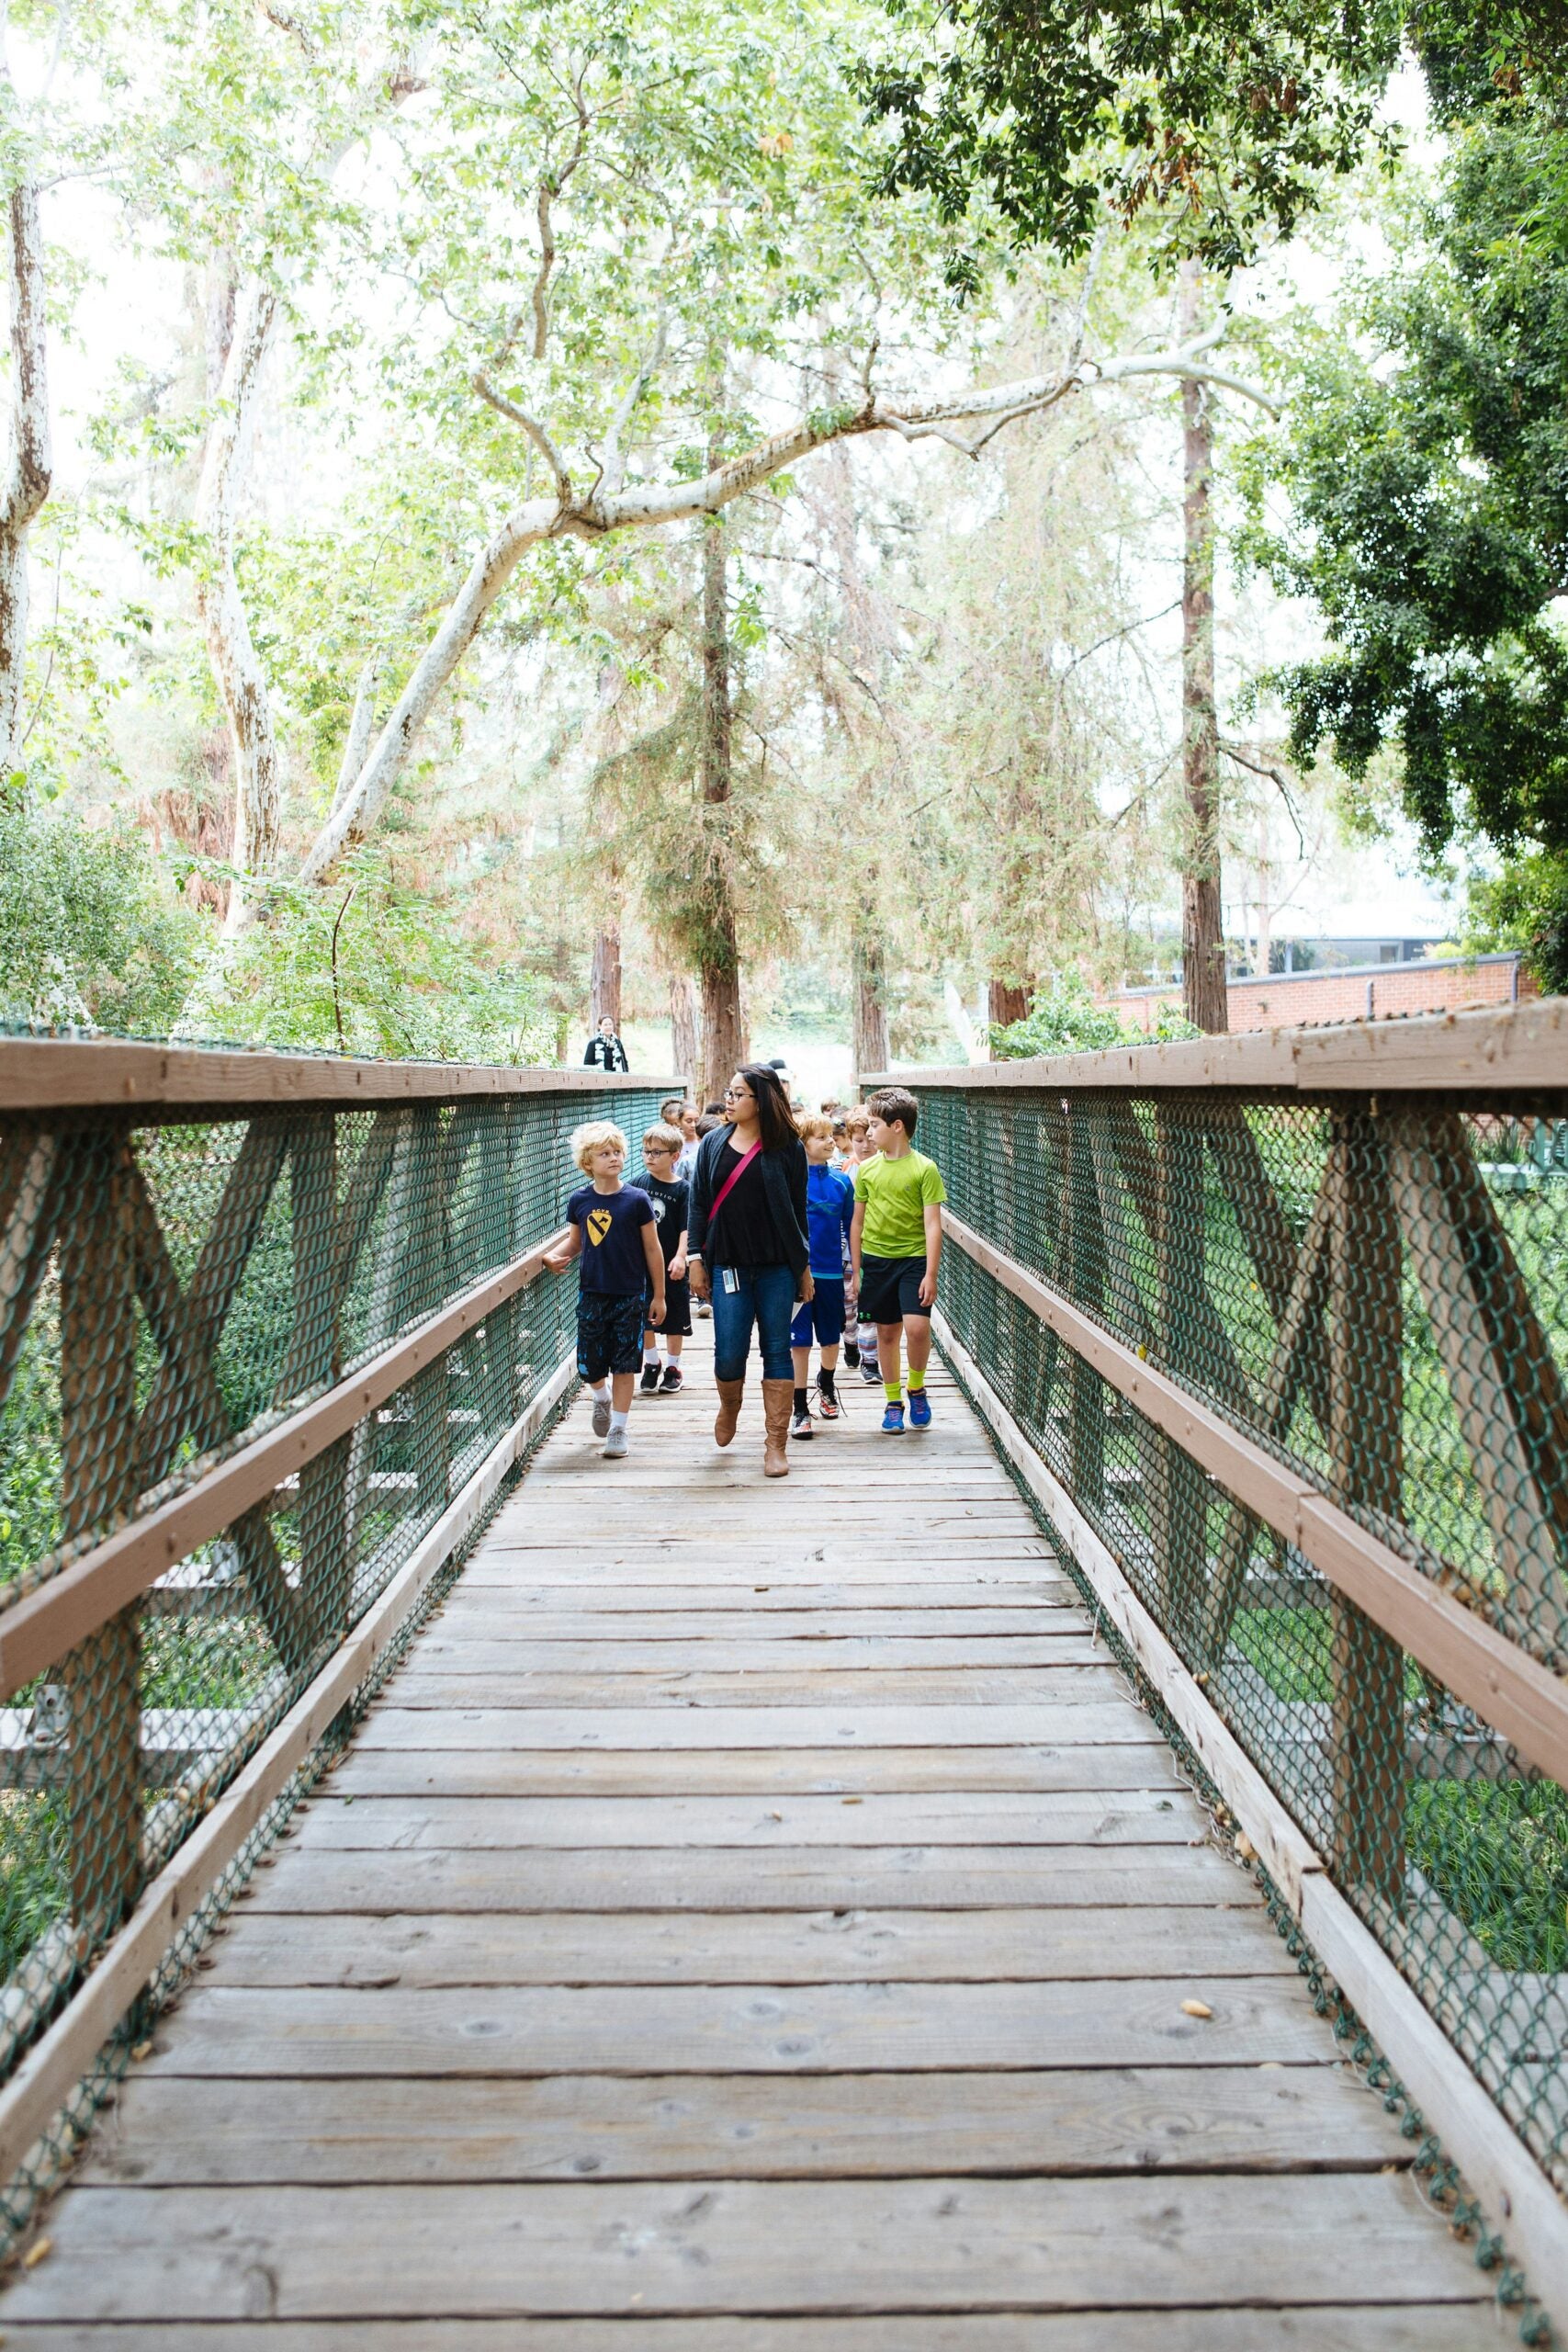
(605, 1050)
(748, 1249)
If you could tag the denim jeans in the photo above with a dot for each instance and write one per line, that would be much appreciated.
(763, 1295)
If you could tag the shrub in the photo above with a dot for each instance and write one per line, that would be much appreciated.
(1069, 1022)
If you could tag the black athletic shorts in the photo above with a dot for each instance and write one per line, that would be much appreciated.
(677, 1308)
(890, 1289)
(609, 1332)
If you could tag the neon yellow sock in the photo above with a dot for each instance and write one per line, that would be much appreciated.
(893, 1391)
(917, 1379)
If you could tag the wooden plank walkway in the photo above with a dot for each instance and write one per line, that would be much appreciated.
(755, 1919)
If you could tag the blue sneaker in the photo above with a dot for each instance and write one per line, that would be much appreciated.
(919, 1410)
(893, 1422)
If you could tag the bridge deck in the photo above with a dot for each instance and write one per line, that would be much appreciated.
(754, 1918)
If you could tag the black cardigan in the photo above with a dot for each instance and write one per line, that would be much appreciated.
(608, 1050)
(783, 1180)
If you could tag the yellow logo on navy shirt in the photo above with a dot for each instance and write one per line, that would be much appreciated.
(598, 1223)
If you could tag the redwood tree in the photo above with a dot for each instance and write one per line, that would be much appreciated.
(869, 984)
(605, 976)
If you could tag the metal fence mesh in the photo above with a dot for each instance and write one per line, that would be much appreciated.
(1377, 1294)
(168, 1292)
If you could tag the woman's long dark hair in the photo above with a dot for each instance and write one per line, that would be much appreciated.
(775, 1120)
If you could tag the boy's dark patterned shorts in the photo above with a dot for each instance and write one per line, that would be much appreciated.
(609, 1332)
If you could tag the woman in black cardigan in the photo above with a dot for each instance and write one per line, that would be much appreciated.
(748, 1249)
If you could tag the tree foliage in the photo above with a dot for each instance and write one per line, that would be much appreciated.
(1426, 467)
(90, 930)
(1225, 116)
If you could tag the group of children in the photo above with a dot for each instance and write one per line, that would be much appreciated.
(874, 1215)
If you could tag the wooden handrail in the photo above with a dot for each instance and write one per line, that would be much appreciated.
(42, 1074)
(1520, 1698)
(1507, 1049)
(52, 1617)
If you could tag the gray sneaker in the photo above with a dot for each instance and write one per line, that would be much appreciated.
(615, 1445)
(600, 1417)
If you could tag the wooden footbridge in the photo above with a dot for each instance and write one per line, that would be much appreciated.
(1000, 1892)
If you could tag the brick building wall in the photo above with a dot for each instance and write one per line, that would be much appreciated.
(1355, 992)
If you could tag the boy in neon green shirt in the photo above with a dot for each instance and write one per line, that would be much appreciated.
(896, 1244)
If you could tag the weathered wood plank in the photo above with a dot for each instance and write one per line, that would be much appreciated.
(869, 1687)
(960, 2245)
(466, 1622)
(509, 1824)
(748, 1947)
(576, 2127)
(1411, 2327)
(960, 1569)
(611, 1651)
(919, 1878)
(718, 1771)
(689, 1725)
(706, 2029)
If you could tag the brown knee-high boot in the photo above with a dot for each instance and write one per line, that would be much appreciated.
(730, 1392)
(778, 1396)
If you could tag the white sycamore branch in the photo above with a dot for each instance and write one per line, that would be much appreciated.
(236, 665)
(609, 507)
(24, 485)
(237, 668)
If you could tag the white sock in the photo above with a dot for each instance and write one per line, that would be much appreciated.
(617, 1420)
(649, 1355)
(601, 1395)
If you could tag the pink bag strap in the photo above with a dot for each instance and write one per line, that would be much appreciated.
(733, 1179)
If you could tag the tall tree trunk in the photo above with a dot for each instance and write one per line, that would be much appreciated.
(723, 1028)
(236, 666)
(869, 981)
(684, 1027)
(1006, 1002)
(1203, 939)
(604, 979)
(218, 318)
(30, 460)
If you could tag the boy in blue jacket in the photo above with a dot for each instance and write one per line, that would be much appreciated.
(830, 1208)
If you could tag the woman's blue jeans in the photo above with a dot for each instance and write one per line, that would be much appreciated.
(764, 1296)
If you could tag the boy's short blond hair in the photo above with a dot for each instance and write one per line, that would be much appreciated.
(662, 1132)
(812, 1123)
(859, 1119)
(587, 1138)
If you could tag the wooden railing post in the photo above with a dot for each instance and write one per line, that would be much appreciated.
(1085, 1254)
(495, 1229)
(97, 1412)
(426, 1249)
(1365, 1449)
(1179, 1501)
(314, 1361)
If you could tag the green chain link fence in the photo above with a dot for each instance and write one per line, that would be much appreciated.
(176, 1284)
(1373, 1288)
